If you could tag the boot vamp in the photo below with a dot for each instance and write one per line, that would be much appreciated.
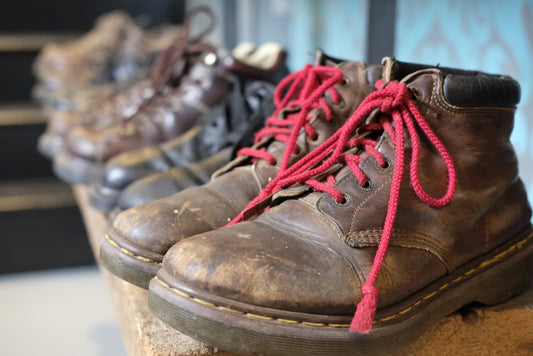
(292, 258)
(158, 225)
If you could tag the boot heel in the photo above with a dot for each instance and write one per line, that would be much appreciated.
(505, 281)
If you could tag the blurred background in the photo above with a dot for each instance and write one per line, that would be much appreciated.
(40, 226)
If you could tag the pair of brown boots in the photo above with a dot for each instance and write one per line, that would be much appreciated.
(390, 192)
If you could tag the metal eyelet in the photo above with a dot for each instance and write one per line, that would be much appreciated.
(313, 140)
(367, 187)
(346, 82)
(347, 201)
(341, 104)
(210, 59)
(387, 167)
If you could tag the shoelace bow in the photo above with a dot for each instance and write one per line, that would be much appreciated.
(305, 90)
(395, 100)
(172, 62)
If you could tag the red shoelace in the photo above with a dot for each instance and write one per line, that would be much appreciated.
(393, 99)
(303, 91)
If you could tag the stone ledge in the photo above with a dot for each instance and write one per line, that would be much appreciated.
(505, 329)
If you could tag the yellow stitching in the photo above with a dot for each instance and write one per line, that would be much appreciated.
(384, 319)
(164, 284)
(144, 259)
(230, 310)
(486, 263)
(288, 321)
(470, 272)
(259, 316)
(406, 310)
(430, 295)
(394, 316)
(312, 324)
(183, 294)
(129, 253)
(339, 325)
(175, 290)
(444, 286)
(203, 302)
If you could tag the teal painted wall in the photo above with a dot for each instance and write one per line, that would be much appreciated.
(336, 26)
(490, 35)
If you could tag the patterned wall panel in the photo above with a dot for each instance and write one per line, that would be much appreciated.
(491, 35)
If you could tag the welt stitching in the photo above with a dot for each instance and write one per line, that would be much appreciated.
(402, 312)
(129, 253)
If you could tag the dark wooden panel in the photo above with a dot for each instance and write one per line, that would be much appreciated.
(42, 239)
(78, 15)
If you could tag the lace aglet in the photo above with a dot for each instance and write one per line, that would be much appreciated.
(364, 315)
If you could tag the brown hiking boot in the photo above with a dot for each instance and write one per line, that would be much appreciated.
(422, 203)
(114, 50)
(107, 100)
(311, 105)
(61, 122)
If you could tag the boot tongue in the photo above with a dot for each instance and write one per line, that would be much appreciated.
(391, 70)
(322, 59)
(394, 70)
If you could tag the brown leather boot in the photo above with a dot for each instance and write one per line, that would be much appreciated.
(422, 203)
(316, 103)
(97, 77)
(116, 50)
(110, 109)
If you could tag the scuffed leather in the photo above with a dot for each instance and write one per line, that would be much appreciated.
(109, 58)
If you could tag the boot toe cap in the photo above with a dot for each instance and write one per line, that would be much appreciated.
(252, 263)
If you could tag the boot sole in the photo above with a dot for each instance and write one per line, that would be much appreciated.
(248, 329)
(75, 169)
(127, 265)
(102, 198)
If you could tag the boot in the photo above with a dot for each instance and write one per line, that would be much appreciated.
(103, 74)
(112, 54)
(413, 209)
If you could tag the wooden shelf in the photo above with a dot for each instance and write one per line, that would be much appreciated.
(16, 42)
(506, 329)
(21, 114)
(33, 194)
